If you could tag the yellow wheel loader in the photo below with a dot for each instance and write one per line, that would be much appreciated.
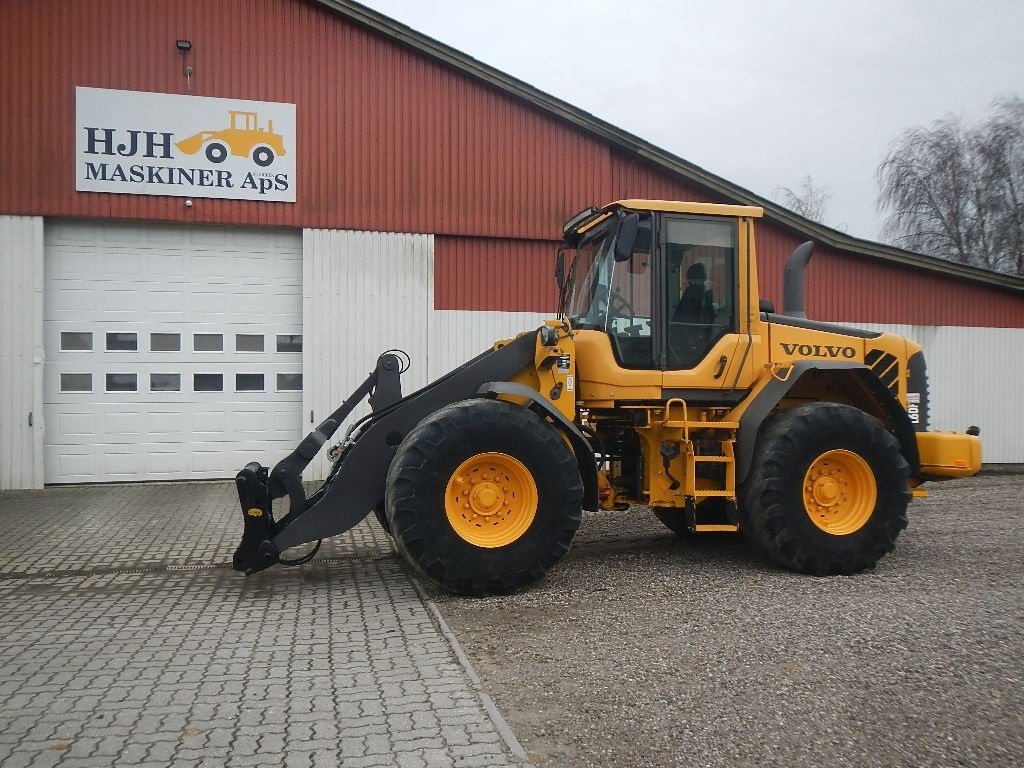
(663, 381)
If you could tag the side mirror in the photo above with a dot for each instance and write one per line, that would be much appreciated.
(626, 238)
(766, 305)
(560, 270)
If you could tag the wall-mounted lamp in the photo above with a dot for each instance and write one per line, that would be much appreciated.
(184, 46)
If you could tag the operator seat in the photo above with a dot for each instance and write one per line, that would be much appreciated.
(692, 320)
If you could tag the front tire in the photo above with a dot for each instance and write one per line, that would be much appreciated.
(827, 491)
(483, 497)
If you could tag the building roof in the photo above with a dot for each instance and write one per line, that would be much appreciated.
(820, 233)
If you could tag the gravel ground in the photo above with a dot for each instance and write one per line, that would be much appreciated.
(640, 649)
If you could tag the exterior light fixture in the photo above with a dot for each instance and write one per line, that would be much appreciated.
(184, 45)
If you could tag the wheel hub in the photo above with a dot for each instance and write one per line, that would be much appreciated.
(839, 492)
(486, 499)
(491, 499)
(826, 491)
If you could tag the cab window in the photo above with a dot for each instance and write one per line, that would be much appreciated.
(700, 259)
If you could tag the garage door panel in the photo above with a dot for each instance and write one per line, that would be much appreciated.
(76, 467)
(73, 426)
(126, 425)
(120, 464)
(165, 284)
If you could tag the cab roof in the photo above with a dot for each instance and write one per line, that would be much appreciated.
(675, 206)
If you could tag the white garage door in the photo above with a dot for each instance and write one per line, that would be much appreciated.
(172, 351)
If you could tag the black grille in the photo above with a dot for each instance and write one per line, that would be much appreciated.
(886, 367)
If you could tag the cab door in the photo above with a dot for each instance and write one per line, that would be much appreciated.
(706, 350)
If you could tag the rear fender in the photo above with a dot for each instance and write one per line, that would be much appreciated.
(872, 396)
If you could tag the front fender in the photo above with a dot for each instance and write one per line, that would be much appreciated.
(580, 445)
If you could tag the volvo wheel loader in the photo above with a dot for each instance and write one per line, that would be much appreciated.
(663, 381)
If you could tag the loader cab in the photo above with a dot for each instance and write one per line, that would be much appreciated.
(661, 284)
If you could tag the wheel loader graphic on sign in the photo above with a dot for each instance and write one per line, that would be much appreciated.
(243, 139)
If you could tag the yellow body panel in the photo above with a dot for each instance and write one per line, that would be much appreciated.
(602, 381)
(553, 372)
(949, 454)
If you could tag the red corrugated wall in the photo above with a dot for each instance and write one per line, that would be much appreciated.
(389, 139)
(850, 288)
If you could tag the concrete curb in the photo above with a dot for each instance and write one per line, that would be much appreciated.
(488, 703)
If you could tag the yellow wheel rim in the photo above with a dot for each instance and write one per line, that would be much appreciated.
(840, 492)
(491, 499)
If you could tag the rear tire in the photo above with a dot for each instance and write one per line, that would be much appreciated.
(483, 497)
(827, 490)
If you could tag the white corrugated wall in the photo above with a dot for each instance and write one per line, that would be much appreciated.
(974, 377)
(366, 292)
(458, 335)
(21, 352)
(363, 293)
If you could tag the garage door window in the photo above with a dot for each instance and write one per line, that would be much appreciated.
(208, 382)
(208, 342)
(248, 342)
(75, 341)
(165, 382)
(122, 382)
(248, 382)
(165, 342)
(122, 342)
(76, 382)
(289, 382)
(289, 342)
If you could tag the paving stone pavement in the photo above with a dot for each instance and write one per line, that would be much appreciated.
(126, 641)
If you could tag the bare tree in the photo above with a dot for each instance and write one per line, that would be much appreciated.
(957, 192)
(809, 201)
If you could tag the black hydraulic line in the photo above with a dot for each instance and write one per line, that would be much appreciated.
(305, 558)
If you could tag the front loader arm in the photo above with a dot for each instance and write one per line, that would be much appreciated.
(356, 484)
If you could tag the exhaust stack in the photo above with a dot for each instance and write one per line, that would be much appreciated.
(793, 280)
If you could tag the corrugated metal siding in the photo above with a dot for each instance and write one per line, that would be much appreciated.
(457, 336)
(974, 377)
(476, 273)
(388, 139)
(21, 352)
(363, 293)
(848, 288)
(633, 177)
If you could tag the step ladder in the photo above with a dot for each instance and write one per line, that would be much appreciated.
(676, 417)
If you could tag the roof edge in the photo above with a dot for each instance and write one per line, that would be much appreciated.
(821, 233)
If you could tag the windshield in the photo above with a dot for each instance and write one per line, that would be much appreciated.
(589, 277)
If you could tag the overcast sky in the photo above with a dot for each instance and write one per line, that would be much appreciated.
(760, 92)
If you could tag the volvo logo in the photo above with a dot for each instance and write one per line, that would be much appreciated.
(818, 350)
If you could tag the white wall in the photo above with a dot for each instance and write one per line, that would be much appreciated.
(21, 352)
(974, 378)
(363, 293)
(366, 292)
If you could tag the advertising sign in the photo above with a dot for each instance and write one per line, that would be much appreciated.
(136, 143)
